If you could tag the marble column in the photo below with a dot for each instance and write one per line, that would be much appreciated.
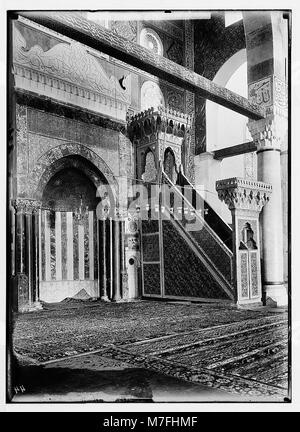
(124, 275)
(267, 43)
(133, 256)
(269, 135)
(103, 238)
(245, 199)
(116, 261)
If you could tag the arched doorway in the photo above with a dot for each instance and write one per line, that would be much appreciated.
(68, 243)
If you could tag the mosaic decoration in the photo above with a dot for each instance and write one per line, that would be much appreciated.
(43, 170)
(175, 52)
(126, 29)
(175, 99)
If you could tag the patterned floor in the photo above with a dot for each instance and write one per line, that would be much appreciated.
(248, 357)
(241, 352)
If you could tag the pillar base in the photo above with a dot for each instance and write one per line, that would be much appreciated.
(104, 299)
(275, 295)
(37, 305)
(249, 304)
(31, 307)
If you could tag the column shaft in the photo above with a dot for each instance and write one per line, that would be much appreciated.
(268, 170)
(36, 257)
(116, 261)
(102, 259)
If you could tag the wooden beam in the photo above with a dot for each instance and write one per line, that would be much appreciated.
(247, 147)
(74, 26)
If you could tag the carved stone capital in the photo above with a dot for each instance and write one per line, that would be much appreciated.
(242, 194)
(269, 133)
(26, 206)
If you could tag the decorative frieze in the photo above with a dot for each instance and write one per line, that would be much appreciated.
(69, 73)
(157, 130)
(190, 101)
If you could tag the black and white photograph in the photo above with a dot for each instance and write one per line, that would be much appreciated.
(148, 210)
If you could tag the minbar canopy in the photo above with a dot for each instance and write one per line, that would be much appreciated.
(76, 27)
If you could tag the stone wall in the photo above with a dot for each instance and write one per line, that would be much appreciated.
(39, 132)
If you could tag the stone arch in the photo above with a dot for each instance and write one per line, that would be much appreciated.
(151, 96)
(266, 55)
(229, 67)
(234, 67)
(70, 154)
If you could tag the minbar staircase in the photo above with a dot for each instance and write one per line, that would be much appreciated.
(198, 248)
(185, 253)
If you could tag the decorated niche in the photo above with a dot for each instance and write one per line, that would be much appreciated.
(246, 199)
(247, 235)
(150, 172)
(170, 165)
(149, 39)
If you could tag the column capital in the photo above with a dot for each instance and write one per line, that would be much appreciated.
(26, 206)
(243, 194)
